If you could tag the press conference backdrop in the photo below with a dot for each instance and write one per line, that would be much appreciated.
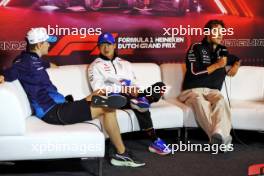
(159, 31)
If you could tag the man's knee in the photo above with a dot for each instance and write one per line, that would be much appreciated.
(187, 96)
(99, 111)
(221, 102)
(108, 110)
(194, 98)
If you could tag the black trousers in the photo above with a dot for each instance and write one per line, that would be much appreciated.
(69, 113)
(144, 118)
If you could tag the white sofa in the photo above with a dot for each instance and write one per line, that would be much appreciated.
(25, 137)
(20, 132)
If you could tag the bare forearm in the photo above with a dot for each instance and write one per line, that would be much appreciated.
(212, 68)
(219, 64)
(52, 65)
(2, 79)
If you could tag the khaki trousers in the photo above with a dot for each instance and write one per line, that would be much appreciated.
(211, 110)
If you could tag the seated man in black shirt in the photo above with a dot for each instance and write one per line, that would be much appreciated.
(206, 70)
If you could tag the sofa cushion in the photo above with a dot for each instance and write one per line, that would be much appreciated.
(45, 141)
(15, 108)
(188, 114)
(163, 114)
(247, 115)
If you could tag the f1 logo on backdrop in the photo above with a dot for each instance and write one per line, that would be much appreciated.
(71, 43)
(256, 170)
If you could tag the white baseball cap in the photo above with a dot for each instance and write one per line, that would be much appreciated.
(37, 35)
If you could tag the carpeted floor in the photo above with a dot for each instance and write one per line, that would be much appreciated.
(234, 163)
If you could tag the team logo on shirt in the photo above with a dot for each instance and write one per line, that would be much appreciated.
(204, 52)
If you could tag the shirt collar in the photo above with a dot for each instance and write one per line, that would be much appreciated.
(33, 54)
(209, 45)
(106, 58)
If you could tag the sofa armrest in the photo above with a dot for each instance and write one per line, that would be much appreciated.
(14, 109)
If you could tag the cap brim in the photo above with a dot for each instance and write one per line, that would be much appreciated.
(52, 39)
(109, 42)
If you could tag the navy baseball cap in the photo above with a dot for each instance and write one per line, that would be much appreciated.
(106, 38)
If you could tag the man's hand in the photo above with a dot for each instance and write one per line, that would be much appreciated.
(52, 65)
(134, 91)
(232, 72)
(96, 92)
(99, 92)
(2, 79)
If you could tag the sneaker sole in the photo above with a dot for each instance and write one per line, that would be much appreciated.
(115, 162)
(109, 102)
(153, 150)
(228, 140)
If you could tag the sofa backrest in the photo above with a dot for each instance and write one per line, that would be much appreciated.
(71, 80)
(15, 108)
(146, 73)
(248, 84)
(173, 75)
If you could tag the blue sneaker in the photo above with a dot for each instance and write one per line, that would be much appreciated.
(125, 82)
(159, 147)
(141, 104)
